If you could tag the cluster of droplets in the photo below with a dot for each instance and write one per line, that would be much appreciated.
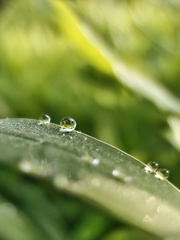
(161, 173)
(67, 124)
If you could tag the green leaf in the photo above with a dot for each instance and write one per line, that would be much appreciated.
(91, 170)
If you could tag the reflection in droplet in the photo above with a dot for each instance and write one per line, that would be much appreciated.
(95, 162)
(162, 174)
(44, 119)
(151, 167)
(67, 124)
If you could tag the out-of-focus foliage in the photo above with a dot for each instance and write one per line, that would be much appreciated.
(112, 65)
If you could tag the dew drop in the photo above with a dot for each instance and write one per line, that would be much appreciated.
(25, 166)
(67, 124)
(115, 173)
(44, 119)
(95, 162)
(151, 167)
(162, 174)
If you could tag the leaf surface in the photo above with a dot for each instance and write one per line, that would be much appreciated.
(94, 171)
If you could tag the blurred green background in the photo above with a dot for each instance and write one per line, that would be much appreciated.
(112, 65)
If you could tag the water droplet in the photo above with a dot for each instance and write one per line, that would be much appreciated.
(121, 176)
(162, 174)
(95, 162)
(151, 167)
(44, 119)
(115, 173)
(67, 124)
(25, 166)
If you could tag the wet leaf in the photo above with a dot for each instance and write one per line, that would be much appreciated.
(93, 171)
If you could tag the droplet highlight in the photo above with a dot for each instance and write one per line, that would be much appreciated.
(44, 119)
(95, 162)
(115, 173)
(67, 124)
(162, 174)
(25, 166)
(151, 167)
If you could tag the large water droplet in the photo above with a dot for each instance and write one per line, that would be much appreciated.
(162, 174)
(67, 124)
(151, 167)
(44, 119)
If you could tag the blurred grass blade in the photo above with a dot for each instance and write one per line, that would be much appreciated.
(92, 170)
(102, 58)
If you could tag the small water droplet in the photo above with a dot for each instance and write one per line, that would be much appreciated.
(162, 174)
(67, 124)
(25, 166)
(44, 119)
(95, 162)
(151, 167)
(115, 173)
